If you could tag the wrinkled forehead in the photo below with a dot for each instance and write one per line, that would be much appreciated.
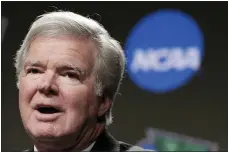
(78, 48)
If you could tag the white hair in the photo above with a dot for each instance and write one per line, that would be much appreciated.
(110, 61)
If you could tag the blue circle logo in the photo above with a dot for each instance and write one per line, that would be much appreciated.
(164, 50)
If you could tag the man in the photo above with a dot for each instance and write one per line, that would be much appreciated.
(69, 71)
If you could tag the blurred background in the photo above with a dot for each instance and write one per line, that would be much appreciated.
(171, 109)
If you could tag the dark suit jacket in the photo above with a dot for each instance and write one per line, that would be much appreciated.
(105, 142)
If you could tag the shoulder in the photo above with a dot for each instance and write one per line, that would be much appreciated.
(128, 147)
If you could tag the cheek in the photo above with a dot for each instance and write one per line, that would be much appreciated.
(75, 97)
(80, 100)
(27, 89)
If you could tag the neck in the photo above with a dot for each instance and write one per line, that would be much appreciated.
(71, 144)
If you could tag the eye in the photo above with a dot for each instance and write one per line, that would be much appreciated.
(34, 71)
(71, 75)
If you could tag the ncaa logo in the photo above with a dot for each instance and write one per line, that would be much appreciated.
(164, 50)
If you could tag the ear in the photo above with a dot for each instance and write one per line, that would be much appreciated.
(105, 105)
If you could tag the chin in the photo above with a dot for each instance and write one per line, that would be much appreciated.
(44, 131)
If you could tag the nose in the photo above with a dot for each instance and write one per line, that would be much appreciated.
(48, 86)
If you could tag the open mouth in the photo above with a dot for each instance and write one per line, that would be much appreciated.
(48, 110)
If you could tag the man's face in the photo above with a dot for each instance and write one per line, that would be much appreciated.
(56, 90)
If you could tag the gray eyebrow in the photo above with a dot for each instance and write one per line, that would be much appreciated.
(63, 65)
(32, 63)
(71, 67)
